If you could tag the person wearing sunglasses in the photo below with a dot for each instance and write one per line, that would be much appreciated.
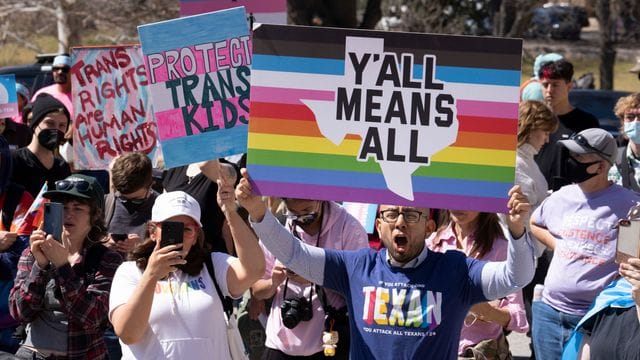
(479, 235)
(128, 206)
(61, 291)
(164, 304)
(61, 87)
(38, 163)
(405, 301)
(578, 222)
(626, 171)
(323, 224)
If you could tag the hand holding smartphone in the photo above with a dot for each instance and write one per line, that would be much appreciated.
(53, 219)
(172, 233)
(119, 237)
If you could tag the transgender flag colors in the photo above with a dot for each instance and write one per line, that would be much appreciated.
(198, 71)
(384, 117)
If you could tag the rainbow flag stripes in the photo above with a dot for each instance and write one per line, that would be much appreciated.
(384, 117)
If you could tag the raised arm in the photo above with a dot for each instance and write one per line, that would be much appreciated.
(307, 261)
(249, 266)
(502, 278)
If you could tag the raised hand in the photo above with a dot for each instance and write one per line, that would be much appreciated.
(163, 260)
(55, 251)
(35, 241)
(250, 201)
(226, 196)
(519, 208)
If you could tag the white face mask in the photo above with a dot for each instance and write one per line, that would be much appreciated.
(632, 130)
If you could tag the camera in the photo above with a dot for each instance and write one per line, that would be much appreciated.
(295, 310)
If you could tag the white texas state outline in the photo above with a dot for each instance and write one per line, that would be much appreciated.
(431, 139)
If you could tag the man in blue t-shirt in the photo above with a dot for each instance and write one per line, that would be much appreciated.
(405, 301)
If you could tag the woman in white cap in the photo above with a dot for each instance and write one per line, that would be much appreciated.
(164, 304)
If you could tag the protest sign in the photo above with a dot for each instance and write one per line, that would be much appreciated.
(199, 68)
(8, 96)
(112, 109)
(384, 117)
(263, 11)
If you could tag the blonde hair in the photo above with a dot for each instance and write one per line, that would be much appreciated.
(534, 115)
(625, 104)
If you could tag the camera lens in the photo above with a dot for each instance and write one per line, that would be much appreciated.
(290, 316)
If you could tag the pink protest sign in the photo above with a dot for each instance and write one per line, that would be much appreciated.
(113, 112)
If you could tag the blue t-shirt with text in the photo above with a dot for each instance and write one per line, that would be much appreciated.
(405, 313)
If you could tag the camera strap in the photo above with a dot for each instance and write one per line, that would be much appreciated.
(286, 286)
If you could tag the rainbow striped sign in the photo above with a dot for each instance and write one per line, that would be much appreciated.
(264, 11)
(384, 117)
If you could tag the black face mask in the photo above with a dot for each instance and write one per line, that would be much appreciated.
(50, 138)
(577, 171)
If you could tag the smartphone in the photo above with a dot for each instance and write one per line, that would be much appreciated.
(119, 237)
(172, 233)
(628, 244)
(53, 214)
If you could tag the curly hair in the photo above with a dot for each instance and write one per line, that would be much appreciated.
(534, 115)
(625, 104)
(195, 258)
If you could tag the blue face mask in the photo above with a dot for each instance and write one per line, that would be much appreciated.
(632, 130)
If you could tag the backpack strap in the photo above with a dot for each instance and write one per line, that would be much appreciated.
(109, 208)
(227, 302)
(626, 172)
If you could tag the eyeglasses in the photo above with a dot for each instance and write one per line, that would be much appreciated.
(68, 184)
(61, 69)
(631, 117)
(302, 217)
(582, 141)
(391, 216)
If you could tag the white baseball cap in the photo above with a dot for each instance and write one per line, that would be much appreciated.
(174, 203)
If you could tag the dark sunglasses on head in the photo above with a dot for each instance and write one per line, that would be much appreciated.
(68, 184)
(582, 141)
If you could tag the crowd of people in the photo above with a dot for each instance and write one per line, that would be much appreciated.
(148, 269)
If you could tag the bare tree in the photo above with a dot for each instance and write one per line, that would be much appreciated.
(70, 20)
(336, 13)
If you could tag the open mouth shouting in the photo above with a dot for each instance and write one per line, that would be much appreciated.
(401, 242)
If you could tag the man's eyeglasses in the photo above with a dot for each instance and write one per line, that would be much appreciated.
(391, 216)
(301, 218)
(631, 117)
(582, 141)
(68, 184)
(61, 69)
